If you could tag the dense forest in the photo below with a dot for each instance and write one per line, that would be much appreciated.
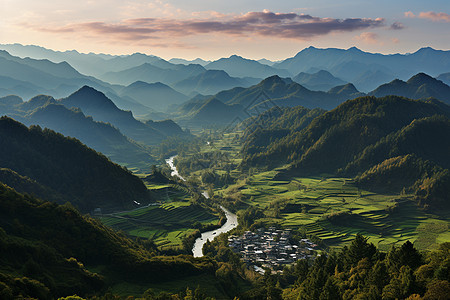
(77, 173)
(361, 137)
(47, 250)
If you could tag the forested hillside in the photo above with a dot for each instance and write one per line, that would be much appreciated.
(47, 250)
(82, 176)
(358, 135)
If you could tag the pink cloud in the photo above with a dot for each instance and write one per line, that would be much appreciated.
(430, 15)
(435, 17)
(368, 38)
(265, 23)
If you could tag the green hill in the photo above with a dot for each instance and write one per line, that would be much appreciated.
(48, 112)
(358, 135)
(101, 108)
(420, 86)
(47, 250)
(273, 125)
(212, 111)
(285, 92)
(82, 176)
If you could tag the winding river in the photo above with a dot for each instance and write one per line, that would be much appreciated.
(230, 224)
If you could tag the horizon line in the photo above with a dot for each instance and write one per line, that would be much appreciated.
(211, 60)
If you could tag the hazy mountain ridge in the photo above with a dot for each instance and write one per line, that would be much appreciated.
(210, 82)
(353, 64)
(96, 104)
(157, 96)
(283, 92)
(365, 70)
(149, 73)
(417, 87)
(238, 66)
(319, 81)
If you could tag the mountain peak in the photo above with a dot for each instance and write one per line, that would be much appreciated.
(421, 78)
(426, 49)
(234, 56)
(138, 83)
(273, 78)
(346, 89)
(87, 97)
(85, 89)
(354, 49)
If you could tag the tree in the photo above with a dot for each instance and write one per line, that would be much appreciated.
(360, 249)
(330, 291)
(437, 290)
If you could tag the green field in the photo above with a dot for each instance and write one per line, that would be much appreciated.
(331, 208)
(165, 224)
(309, 202)
(168, 221)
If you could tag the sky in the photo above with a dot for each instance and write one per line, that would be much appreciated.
(211, 29)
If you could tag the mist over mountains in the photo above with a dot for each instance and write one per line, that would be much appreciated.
(153, 88)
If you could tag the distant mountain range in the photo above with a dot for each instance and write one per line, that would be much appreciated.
(315, 69)
(211, 82)
(149, 86)
(150, 73)
(282, 92)
(365, 69)
(197, 61)
(245, 102)
(238, 66)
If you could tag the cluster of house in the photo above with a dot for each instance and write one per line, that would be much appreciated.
(271, 248)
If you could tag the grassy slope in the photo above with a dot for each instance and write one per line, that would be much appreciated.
(306, 202)
(166, 225)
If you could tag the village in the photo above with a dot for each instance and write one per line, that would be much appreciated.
(272, 248)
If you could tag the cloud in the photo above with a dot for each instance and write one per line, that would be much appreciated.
(397, 26)
(430, 15)
(368, 38)
(395, 40)
(265, 23)
(435, 17)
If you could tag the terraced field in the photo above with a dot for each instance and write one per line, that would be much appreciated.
(165, 224)
(334, 209)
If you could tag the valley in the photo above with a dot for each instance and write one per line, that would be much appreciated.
(333, 209)
(135, 176)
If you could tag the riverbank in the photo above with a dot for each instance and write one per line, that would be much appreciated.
(230, 224)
